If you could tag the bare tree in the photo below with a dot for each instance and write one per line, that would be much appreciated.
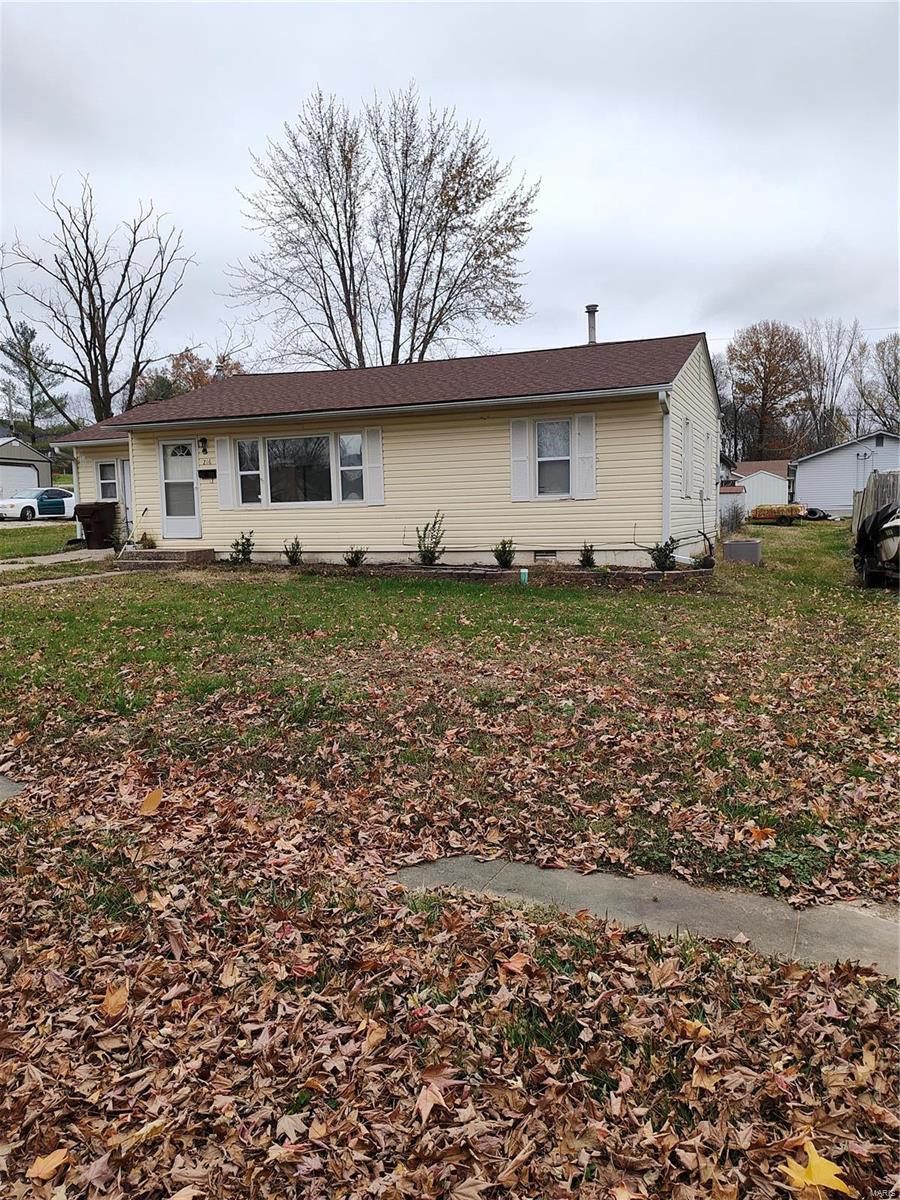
(821, 418)
(875, 373)
(99, 296)
(389, 234)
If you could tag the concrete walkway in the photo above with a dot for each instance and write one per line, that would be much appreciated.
(664, 905)
(56, 580)
(43, 560)
(8, 788)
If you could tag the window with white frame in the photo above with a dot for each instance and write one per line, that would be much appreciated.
(249, 472)
(350, 465)
(317, 469)
(107, 481)
(299, 469)
(553, 456)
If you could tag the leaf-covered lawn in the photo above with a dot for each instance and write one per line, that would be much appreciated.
(740, 735)
(210, 987)
(20, 539)
(188, 1005)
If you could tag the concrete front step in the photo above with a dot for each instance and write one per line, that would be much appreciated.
(172, 555)
(156, 560)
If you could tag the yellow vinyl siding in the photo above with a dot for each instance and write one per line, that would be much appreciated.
(458, 462)
(85, 473)
(693, 396)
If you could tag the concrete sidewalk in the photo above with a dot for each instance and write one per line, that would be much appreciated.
(56, 580)
(664, 905)
(43, 560)
(8, 788)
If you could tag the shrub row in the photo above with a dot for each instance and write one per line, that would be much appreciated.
(430, 550)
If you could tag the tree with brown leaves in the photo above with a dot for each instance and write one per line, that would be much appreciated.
(765, 363)
(186, 371)
(390, 234)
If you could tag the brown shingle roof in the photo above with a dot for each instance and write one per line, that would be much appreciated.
(775, 466)
(103, 431)
(606, 366)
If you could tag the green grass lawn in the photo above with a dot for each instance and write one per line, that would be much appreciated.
(20, 539)
(210, 980)
(739, 735)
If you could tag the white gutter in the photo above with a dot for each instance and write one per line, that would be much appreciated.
(391, 409)
(666, 465)
(84, 442)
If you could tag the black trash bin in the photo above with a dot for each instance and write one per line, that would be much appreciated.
(97, 520)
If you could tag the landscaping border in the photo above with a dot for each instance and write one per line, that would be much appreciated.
(542, 575)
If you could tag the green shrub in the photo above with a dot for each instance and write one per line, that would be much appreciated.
(430, 539)
(293, 552)
(505, 553)
(662, 555)
(586, 557)
(241, 549)
(355, 556)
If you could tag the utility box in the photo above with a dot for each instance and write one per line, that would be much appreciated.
(746, 550)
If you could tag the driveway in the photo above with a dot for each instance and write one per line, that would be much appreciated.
(36, 524)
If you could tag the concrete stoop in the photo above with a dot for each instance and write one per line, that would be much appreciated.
(162, 560)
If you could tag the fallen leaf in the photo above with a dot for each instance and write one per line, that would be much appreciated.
(46, 1167)
(761, 834)
(818, 1173)
(518, 964)
(151, 802)
(428, 1097)
(115, 1000)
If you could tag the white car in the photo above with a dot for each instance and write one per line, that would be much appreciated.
(38, 502)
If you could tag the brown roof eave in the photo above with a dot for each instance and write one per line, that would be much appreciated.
(416, 407)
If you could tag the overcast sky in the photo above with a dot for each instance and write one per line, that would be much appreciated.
(702, 165)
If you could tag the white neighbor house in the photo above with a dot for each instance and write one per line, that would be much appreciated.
(762, 487)
(828, 478)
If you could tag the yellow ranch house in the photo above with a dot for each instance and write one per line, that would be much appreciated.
(611, 443)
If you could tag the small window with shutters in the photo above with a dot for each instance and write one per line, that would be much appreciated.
(553, 458)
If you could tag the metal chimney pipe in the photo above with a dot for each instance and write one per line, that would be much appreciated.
(591, 311)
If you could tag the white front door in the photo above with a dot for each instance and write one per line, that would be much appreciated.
(180, 494)
(127, 501)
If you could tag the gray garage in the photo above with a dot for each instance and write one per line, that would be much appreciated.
(21, 466)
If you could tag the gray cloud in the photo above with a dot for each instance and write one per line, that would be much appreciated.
(703, 165)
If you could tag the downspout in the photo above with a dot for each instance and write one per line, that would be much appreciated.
(666, 466)
(79, 532)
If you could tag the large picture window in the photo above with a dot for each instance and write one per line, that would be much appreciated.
(553, 441)
(299, 470)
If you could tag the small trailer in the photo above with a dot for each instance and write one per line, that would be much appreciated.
(777, 514)
(876, 526)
